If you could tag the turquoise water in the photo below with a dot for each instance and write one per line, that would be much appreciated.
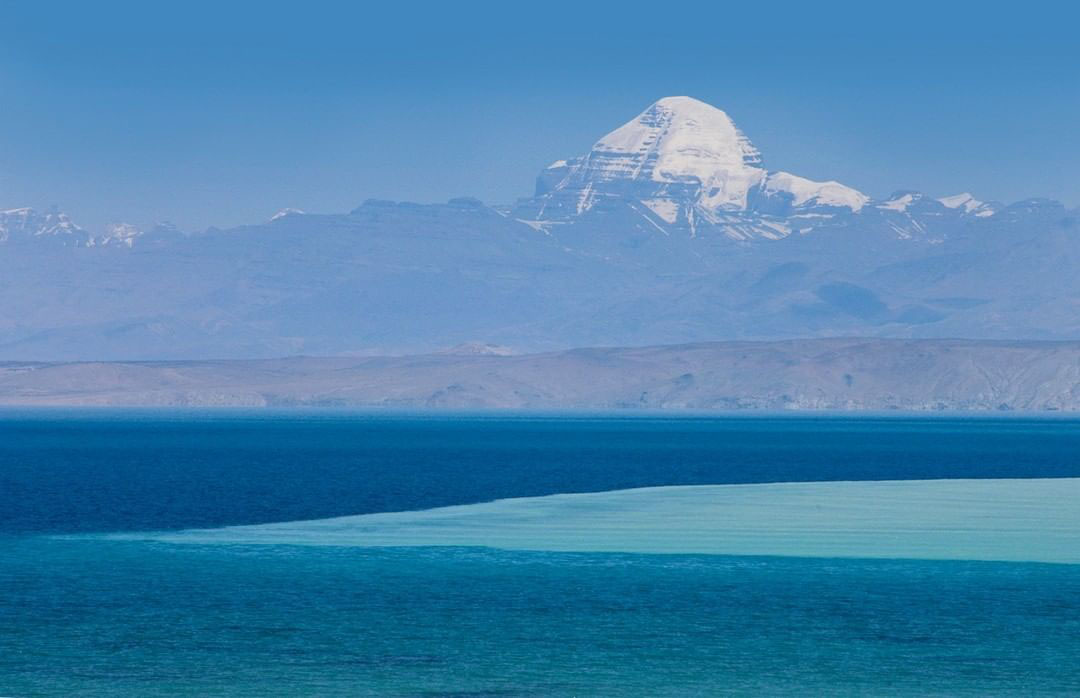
(152, 619)
(1017, 520)
(86, 614)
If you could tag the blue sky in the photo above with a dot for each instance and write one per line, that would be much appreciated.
(221, 113)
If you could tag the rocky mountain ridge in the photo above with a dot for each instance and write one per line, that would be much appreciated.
(797, 375)
(670, 230)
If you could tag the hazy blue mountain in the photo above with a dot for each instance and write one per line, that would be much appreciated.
(671, 229)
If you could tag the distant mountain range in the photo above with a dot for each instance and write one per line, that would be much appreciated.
(669, 230)
(807, 374)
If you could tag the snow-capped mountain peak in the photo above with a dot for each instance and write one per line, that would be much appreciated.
(968, 204)
(683, 163)
(965, 201)
(679, 140)
(900, 201)
(120, 234)
(23, 223)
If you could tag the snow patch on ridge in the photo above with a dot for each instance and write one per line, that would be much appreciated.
(968, 204)
(286, 212)
(898, 203)
(805, 191)
(120, 234)
(965, 201)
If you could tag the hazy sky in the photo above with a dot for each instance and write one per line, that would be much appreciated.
(221, 113)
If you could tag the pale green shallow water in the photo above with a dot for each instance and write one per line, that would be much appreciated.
(1027, 520)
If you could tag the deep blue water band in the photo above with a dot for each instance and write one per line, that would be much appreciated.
(108, 471)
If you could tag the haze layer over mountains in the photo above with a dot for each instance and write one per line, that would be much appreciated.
(671, 229)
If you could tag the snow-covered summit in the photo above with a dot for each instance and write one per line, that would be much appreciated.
(688, 163)
(679, 140)
(120, 234)
(53, 227)
(968, 204)
(28, 223)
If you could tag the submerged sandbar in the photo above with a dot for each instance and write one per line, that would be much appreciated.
(1035, 520)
